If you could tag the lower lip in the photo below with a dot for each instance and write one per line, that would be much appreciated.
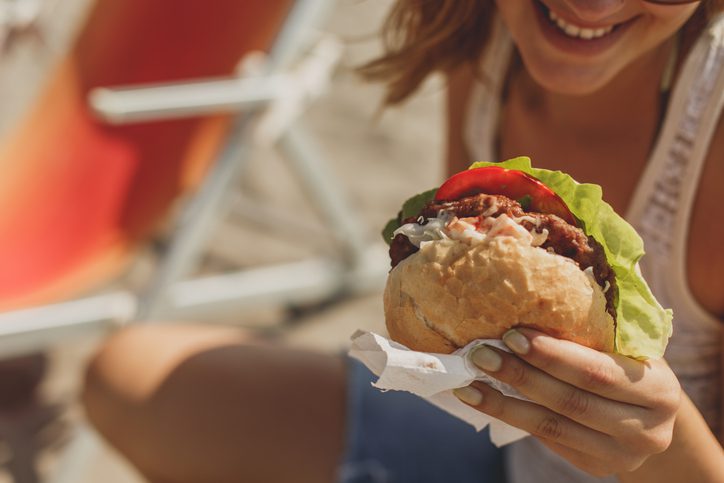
(572, 45)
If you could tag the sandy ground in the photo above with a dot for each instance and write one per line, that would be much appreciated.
(376, 162)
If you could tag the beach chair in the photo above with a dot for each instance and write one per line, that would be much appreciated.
(147, 123)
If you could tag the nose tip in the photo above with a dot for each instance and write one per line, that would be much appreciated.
(594, 10)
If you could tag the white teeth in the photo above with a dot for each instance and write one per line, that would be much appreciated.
(576, 31)
(572, 30)
(587, 33)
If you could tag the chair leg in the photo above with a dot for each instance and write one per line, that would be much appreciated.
(194, 224)
(314, 174)
(310, 169)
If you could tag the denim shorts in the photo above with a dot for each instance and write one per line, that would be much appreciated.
(396, 437)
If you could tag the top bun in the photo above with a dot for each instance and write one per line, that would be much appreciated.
(450, 293)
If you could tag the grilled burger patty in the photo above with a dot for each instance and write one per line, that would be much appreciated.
(563, 239)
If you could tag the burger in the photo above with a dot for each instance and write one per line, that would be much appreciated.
(506, 245)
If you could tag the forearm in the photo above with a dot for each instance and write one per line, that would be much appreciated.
(694, 453)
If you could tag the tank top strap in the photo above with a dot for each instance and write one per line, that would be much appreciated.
(665, 196)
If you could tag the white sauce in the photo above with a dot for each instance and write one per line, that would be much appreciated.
(474, 231)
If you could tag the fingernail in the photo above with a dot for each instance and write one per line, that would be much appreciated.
(487, 359)
(517, 342)
(469, 395)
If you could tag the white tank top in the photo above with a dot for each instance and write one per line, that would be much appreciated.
(659, 211)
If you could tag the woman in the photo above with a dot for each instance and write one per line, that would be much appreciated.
(623, 93)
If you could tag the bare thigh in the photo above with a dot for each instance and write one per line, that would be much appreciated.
(199, 404)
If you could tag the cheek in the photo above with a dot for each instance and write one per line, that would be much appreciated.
(664, 20)
(661, 23)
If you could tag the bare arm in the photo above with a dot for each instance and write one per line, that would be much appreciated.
(694, 453)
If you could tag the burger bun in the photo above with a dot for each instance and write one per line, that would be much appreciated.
(450, 293)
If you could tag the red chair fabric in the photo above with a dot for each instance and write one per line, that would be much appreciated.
(76, 196)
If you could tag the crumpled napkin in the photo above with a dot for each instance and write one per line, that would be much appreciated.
(433, 377)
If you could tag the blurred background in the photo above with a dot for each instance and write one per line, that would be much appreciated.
(156, 167)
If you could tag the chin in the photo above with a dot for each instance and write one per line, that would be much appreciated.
(568, 79)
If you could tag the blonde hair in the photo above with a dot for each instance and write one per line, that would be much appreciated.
(425, 36)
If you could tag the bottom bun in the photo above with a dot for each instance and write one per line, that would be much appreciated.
(450, 293)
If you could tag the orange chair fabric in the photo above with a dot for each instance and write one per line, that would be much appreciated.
(76, 196)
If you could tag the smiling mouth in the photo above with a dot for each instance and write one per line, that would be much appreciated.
(572, 30)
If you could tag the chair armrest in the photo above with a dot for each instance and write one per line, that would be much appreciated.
(127, 105)
(286, 94)
(29, 330)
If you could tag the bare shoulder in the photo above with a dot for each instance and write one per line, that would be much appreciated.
(706, 236)
(459, 87)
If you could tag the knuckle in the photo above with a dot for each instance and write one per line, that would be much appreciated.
(597, 377)
(517, 375)
(642, 439)
(665, 396)
(574, 402)
(629, 429)
(673, 397)
(665, 402)
(658, 441)
(495, 409)
(550, 427)
(493, 405)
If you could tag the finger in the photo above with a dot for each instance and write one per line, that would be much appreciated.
(536, 420)
(613, 376)
(589, 409)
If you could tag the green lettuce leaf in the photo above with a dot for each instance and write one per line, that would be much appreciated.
(643, 327)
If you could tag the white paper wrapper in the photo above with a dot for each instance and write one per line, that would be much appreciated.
(433, 377)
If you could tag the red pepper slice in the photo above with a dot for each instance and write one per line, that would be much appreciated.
(514, 184)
